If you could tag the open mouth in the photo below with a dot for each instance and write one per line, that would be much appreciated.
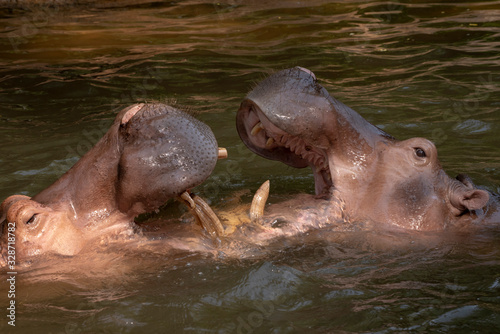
(268, 140)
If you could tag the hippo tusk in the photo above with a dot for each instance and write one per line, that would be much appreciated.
(269, 142)
(208, 218)
(256, 129)
(259, 201)
(186, 199)
(203, 214)
(222, 153)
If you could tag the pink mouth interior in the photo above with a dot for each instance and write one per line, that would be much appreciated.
(315, 157)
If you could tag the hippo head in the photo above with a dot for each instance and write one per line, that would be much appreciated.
(151, 153)
(291, 118)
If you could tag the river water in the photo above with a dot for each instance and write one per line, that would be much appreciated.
(413, 68)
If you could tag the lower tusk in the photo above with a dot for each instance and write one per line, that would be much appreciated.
(259, 201)
(204, 215)
(186, 199)
(207, 218)
(269, 142)
(222, 153)
(256, 129)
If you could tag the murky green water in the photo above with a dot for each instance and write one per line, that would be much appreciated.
(413, 68)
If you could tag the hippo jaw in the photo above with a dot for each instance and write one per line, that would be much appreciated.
(266, 139)
(302, 125)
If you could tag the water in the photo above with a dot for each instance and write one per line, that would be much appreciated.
(412, 68)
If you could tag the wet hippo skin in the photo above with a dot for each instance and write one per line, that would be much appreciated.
(154, 152)
(291, 118)
(151, 153)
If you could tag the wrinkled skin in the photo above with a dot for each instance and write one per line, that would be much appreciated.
(291, 118)
(151, 153)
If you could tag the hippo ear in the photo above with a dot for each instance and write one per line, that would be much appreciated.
(7, 203)
(469, 199)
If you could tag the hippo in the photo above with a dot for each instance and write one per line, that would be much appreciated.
(291, 118)
(150, 154)
(153, 153)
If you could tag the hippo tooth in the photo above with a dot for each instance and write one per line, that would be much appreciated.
(222, 153)
(259, 201)
(188, 200)
(269, 142)
(207, 218)
(256, 129)
(309, 156)
(285, 141)
(292, 145)
(296, 145)
(299, 147)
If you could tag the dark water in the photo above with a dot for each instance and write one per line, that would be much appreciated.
(413, 68)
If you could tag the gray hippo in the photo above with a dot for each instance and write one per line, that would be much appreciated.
(291, 118)
(150, 154)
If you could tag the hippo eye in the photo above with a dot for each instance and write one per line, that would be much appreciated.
(31, 220)
(420, 152)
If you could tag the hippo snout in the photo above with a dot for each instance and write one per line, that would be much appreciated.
(165, 152)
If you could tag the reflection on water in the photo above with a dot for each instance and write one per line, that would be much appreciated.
(414, 69)
(317, 283)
